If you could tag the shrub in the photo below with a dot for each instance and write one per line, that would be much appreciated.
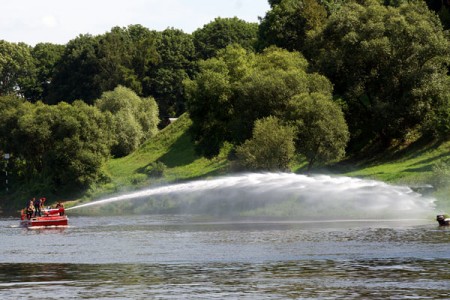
(156, 169)
(138, 178)
(271, 148)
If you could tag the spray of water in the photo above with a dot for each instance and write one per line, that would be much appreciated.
(287, 195)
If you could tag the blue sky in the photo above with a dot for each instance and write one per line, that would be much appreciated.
(58, 21)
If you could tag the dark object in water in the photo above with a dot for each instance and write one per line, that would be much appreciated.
(442, 220)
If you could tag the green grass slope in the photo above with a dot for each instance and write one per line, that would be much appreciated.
(413, 165)
(424, 166)
(173, 147)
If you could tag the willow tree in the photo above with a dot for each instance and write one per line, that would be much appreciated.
(134, 119)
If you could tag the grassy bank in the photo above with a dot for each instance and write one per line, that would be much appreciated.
(173, 149)
(413, 165)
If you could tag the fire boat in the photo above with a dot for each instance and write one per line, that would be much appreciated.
(50, 218)
(443, 220)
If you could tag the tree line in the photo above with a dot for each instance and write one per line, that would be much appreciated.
(64, 146)
(317, 78)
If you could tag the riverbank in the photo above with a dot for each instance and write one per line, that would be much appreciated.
(421, 165)
(171, 158)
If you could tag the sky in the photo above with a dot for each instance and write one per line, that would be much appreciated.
(59, 21)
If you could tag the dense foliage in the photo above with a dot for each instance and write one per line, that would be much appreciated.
(223, 32)
(389, 64)
(61, 146)
(17, 69)
(133, 119)
(238, 88)
(64, 146)
(271, 147)
(289, 22)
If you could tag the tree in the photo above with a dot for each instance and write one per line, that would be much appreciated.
(210, 98)
(387, 63)
(126, 57)
(237, 88)
(442, 9)
(276, 76)
(65, 145)
(209, 108)
(134, 119)
(222, 32)
(271, 147)
(78, 147)
(322, 133)
(176, 53)
(10, 111)
(145, 55)
(76, 72)
(35, 131)
(289, 22)
(45, 56)
(17, 69)
(115, 51)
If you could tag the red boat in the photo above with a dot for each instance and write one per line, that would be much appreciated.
(51, 218)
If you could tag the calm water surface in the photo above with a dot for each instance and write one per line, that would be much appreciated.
(186, 257)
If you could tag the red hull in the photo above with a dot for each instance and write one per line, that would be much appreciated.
(50, 219)
(57, 221)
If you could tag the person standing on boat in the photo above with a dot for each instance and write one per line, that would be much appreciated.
(37, 207)
(43, 203)
(60, 206)
(30, 208)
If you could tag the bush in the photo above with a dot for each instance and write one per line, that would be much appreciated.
(138, 178)
(156, 169)
(270, 149)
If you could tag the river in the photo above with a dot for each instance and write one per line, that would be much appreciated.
(185, 257)
(247, 236)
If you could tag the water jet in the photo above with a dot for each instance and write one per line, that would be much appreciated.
(279, 195)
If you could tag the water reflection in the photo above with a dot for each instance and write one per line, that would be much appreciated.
(181, 256)
(346, 279)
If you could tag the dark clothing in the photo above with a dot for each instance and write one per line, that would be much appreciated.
(29, 212)
(30, 209)
(37, 207)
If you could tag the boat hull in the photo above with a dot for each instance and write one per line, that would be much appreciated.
(45, 222)
(51, 218)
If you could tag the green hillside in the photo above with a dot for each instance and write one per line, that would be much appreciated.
(414, 166)
(173, 148)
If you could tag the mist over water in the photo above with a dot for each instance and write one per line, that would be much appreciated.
(318, 197)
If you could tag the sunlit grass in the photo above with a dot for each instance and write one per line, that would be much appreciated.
(173, 147)
(413, 166)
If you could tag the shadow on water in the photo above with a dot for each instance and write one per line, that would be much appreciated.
(273, 195)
